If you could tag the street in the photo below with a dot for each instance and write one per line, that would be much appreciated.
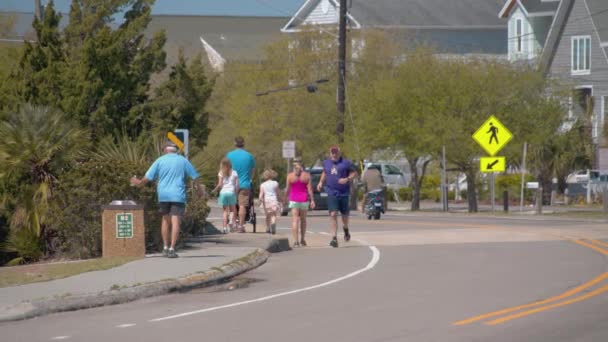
(407, 277)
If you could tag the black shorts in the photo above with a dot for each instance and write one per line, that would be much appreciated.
(338, 203)
(172, 208)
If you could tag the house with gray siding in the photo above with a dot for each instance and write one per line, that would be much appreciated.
(570, 43)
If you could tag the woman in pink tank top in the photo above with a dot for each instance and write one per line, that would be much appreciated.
(299, 194)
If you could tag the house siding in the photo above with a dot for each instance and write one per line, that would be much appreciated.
(580, 24)
(318, 16)
(528, 46)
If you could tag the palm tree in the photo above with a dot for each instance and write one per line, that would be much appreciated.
(38, 144)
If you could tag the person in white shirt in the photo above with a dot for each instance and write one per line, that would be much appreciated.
(271, 198)
(228, 184)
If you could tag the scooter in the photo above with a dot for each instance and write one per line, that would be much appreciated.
(374, 204)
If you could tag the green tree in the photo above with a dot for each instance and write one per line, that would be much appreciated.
(95, 71)
(38, 77)
(110, 67)
(398, 111)
(179, 102)
(265, 121)
(39, 144)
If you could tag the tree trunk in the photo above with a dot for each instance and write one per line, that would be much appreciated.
(417, 181)
(415, 185)
(471, 192)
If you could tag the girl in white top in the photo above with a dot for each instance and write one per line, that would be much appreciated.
(271, 198)
(228, 182)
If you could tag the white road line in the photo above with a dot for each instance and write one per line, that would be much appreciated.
(370, 265)
(56, 338)
(128, 325)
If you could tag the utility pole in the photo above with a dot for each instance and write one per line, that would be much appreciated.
(341, 70)
(38, 9)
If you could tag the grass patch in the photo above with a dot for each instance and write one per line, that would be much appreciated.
(33, 273)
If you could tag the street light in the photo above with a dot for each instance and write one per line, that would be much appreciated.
(310, 87)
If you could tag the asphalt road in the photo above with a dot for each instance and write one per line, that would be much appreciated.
(412, 278)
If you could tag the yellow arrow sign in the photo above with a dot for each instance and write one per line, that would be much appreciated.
(492, 135)
(492, 164)
(175, 140)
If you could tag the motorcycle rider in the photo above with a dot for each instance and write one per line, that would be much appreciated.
(372, 180)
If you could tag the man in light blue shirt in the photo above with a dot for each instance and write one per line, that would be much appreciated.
(243, 163)
(171, 171)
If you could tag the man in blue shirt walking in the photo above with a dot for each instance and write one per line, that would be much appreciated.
(171, 171)
(243, 163)
(338, 173)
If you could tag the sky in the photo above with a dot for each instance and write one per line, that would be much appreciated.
(270, 8)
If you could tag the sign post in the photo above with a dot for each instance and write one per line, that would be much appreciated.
(492, 136)
(289, 151)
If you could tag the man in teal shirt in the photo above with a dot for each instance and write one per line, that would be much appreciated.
(244, 165)
(171, 171)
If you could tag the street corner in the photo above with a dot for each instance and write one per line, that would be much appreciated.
(17, 312)
(125, 294)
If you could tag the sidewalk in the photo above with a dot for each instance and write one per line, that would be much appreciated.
(202, 262)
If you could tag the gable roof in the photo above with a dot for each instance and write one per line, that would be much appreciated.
(230, 38)
(427, 13)
(532, 8)
(599, 16)
(432, 14)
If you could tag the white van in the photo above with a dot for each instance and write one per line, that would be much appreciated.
(393, 176)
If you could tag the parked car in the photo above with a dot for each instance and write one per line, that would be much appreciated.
(393, 176)
(320, 197)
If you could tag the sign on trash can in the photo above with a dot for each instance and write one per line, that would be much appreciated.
(123, 231)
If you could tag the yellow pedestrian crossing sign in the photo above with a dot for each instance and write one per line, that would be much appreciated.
(492, 164)
(492, 135)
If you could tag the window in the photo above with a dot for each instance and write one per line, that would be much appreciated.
(392, 170)
(581, 55)
(518, 33)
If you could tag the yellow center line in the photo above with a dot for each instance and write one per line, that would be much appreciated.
(596, 248)
(564, 295)
(549, 307)
(600, 243)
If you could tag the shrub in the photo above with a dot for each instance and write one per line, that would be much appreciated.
(405, 194)
(77, 206)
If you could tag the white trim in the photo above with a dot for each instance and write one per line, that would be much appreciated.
(286, 28)
(585, 86)
(215, 58)
(503, 11)
(602, 45)
(586, 71)
(295, 16)
(523, 8)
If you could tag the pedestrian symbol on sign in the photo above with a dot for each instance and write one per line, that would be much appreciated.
(494, 131)
(492, 135)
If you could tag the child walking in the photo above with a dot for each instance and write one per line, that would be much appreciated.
(270, 199)
(228, 182)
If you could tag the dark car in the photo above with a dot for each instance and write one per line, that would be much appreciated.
(319, 197)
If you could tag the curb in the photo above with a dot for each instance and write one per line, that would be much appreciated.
(278, 245)
(210, 277)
